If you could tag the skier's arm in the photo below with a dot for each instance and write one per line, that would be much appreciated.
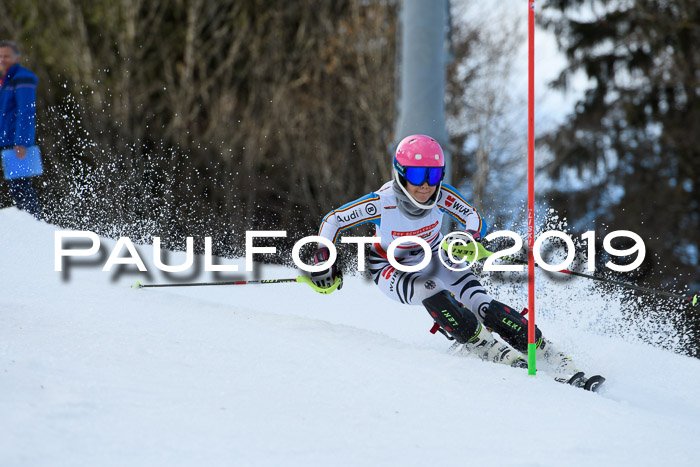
(453, 203)
(361, 211)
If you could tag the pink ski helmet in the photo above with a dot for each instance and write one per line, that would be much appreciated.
(419, 159)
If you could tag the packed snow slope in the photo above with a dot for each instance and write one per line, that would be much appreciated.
(94, 372)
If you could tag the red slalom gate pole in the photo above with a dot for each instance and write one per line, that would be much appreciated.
(531, 346)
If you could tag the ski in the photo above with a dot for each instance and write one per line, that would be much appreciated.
(579, 380)
(594, 382)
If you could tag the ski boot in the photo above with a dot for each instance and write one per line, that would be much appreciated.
(555, 359)
(484, 345)
(512, 327)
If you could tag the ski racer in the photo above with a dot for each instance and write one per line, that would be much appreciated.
(412, 204)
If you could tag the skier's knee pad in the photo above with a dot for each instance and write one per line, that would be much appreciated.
(509, 324)
(459, 322)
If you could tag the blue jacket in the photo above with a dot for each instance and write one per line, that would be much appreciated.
(18, 107)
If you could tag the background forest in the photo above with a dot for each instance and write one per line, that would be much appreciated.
(191, 117)
(203, 118)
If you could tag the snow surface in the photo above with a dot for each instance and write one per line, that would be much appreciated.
(93, 372)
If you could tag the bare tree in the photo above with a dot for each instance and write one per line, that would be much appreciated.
(480, 104)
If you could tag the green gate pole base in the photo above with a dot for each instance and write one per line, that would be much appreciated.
(531, 366)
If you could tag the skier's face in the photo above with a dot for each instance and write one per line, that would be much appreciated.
(421, 193)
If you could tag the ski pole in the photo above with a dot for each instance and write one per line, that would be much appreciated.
(476, 249)
(693, 300)
(299, 279)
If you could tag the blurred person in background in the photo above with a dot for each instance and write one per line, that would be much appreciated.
(17, 120)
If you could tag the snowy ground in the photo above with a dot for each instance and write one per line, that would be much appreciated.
(93, 372)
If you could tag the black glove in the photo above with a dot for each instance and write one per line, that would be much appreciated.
(327, 277)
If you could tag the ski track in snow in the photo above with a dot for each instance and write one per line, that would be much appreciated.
(93, 372)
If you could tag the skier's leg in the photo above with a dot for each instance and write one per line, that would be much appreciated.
(424, 288)
(467, 289)
(463, 326)
(25, 196)
(409, 288)
(509, 324)
(498, 317)
(512, 327)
